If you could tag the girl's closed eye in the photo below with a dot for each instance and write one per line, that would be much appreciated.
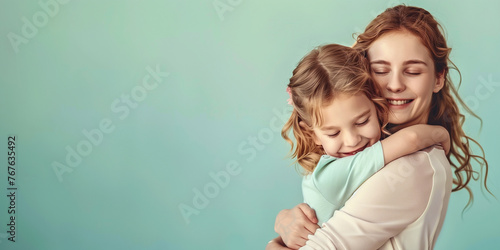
(363, 122)
(334, 135)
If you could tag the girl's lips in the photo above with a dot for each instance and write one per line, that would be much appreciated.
(355, 151)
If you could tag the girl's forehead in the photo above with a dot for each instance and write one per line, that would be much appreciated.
(344, 109)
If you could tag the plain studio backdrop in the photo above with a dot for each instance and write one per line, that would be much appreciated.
(156, 124)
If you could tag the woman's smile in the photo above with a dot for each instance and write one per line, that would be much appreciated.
(398, 104)
(403, 67)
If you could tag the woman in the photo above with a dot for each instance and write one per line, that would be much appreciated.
(402, 206)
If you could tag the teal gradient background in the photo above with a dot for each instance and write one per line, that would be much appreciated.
(220, 105)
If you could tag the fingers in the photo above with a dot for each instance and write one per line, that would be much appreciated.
(311, 228)
(298, 237)
(308, 212)
(276, 244)
(299, 224)
(447, 146)
(293, 232)
(312, 225)
(282, 216)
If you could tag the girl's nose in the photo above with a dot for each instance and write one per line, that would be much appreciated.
(351, 138)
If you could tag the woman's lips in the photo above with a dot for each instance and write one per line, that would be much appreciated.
(399, 103)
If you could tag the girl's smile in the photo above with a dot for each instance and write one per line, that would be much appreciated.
(344, 154)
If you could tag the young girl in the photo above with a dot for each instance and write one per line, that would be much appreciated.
(337, 121)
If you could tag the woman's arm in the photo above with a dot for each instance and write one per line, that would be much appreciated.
(294, 225)
(411, 139)
(382, 207)
(333, 181)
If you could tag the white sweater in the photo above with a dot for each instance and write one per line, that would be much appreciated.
(403, 206)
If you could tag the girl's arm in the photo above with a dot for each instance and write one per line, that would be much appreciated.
(414, 138)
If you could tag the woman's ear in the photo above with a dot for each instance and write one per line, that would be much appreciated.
(439, 82)
(305, 127)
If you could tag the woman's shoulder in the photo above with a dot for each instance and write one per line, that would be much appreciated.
(427, 161)
(409, 178)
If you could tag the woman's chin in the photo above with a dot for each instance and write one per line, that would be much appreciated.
(398, 119)
(405, 120)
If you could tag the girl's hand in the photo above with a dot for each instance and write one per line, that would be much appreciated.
(440, 136)
(414, 138)
(446, 143)
(294, 225)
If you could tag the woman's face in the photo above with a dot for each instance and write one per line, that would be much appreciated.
(403, 67)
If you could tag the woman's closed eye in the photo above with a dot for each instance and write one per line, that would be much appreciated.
(380, 72)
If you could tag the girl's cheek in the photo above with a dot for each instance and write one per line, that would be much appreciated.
(375, 131)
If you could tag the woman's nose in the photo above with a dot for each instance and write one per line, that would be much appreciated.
(395, 84)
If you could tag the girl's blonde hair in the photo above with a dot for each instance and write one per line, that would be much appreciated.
(320, 76)
(444, 110)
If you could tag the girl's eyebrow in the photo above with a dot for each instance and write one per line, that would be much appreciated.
(412, 61)
(355, 118)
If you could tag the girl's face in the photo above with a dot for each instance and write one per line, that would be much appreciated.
(403, 67)
(350, 124)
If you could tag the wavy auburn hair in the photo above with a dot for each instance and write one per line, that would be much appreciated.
(444, 110)
(320, 76)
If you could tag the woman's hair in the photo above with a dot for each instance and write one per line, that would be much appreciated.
(320, 76)
(444, 110)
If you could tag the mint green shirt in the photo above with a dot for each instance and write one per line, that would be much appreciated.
(334, 180)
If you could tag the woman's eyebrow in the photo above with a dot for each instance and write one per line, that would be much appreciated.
(380, 62)
(414, 61)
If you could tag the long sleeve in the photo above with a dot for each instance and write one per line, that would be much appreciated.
(387, 203)
(335, 180)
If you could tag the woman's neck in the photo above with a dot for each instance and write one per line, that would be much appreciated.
(393, 128)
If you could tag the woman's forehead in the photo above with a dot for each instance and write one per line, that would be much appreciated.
(399, 47)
